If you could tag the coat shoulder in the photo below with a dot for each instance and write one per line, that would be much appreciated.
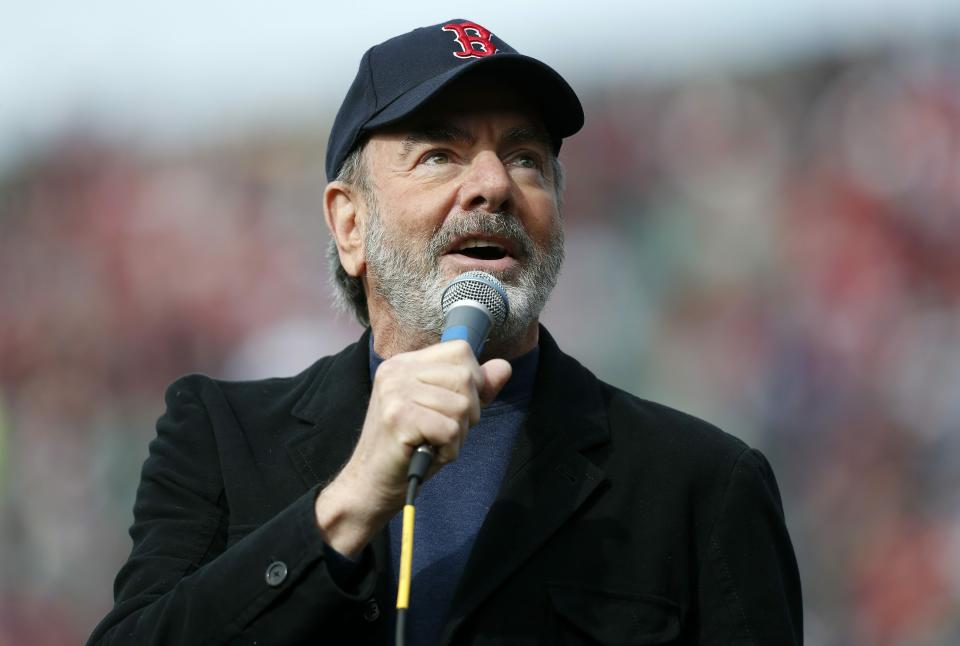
(638, 428)
(659, 438)
(660, 422)
(261, 398)
(253, 392)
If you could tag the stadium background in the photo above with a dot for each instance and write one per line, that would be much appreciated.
(763, 218)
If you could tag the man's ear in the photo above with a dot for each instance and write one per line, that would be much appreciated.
(342, 205)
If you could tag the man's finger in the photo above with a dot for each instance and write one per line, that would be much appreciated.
(462, 406)
(444, 434)
(451, 351)
(461, 378)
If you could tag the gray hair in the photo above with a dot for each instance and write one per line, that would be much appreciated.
(349, 295)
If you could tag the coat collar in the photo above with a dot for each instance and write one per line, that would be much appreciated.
(345, 373)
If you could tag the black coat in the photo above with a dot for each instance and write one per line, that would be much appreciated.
(619, 521)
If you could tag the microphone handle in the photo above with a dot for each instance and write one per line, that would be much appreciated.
(468, 321)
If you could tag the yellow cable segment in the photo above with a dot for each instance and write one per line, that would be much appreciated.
(406, 558)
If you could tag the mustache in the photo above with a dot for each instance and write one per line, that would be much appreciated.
(480, 223)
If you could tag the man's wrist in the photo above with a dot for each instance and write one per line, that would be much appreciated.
(345, 519)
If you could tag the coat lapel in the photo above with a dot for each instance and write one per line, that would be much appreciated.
(547, 480)
(331, 414)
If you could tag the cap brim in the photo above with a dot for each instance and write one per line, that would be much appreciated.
(559, 105)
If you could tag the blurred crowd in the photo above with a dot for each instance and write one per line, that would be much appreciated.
(773, 251)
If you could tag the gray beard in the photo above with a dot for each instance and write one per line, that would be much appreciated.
(409, 279)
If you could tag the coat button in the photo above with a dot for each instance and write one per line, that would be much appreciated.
(276, 573)
(372, 610)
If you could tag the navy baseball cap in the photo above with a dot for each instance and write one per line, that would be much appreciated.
(401, 74)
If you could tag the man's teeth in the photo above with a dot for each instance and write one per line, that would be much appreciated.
(472, 244)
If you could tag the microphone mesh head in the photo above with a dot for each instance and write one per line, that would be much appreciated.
(481, 287)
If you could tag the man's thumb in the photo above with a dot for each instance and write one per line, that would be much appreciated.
(496, 374)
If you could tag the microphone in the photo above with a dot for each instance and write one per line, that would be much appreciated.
(473, 304)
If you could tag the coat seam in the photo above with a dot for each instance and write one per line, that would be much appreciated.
(723, 567)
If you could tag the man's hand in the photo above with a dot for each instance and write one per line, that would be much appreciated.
(431, 396)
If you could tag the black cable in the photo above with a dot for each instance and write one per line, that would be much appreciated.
(401, 627)
(412, 485)
(419, 463)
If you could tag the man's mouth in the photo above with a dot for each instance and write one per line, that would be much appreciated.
(480, 249)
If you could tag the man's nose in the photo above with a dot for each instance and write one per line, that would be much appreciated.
(487, 185)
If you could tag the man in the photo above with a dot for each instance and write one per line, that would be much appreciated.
(560, 509)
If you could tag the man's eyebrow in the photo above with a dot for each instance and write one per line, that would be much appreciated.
(528, 134)
(432, 135)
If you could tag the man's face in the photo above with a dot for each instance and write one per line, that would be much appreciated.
(466, 184)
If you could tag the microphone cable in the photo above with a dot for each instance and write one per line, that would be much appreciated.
(419, 463)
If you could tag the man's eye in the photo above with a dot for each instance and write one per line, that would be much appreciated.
(527, 161)
(435, 158)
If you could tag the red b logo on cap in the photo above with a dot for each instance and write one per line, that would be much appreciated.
(474, 40)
